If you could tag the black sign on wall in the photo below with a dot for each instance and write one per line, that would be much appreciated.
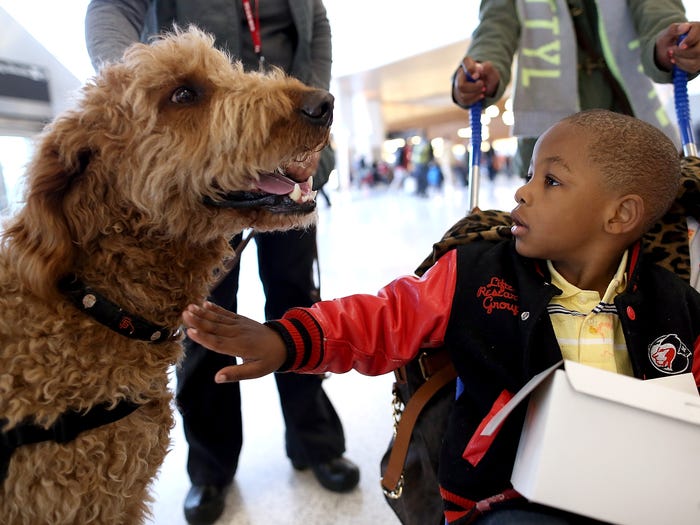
(23, 81)
(24, 92)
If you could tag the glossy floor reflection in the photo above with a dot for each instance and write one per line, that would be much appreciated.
(366, 238)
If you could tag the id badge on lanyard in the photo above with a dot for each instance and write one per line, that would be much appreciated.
(254, 27)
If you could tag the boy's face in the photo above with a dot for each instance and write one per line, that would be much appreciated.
(560, 211)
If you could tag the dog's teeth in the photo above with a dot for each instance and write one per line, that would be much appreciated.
(296, 193)
(311, 181)
(308, 197)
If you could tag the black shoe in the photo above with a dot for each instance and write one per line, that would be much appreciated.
(338, 474)
(204, 504)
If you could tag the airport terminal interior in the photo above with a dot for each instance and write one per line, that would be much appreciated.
(373, 228)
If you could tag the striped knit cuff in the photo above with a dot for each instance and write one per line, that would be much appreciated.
(303, 339)
(281, 328)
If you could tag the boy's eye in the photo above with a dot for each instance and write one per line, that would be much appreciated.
(550, 181)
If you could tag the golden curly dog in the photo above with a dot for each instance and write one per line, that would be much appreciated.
(130, 201)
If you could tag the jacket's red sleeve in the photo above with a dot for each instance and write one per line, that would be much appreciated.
(372, 334)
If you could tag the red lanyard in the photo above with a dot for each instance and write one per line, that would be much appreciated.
(253, 25)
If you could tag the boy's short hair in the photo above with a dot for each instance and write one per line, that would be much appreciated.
(634, 157)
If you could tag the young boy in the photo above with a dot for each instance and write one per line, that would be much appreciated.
(571, 282)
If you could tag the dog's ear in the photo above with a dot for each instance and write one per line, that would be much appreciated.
(39, 236)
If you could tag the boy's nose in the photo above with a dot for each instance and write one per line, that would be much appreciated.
(520, 195)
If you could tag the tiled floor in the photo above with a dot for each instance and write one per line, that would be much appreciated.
(367, 238)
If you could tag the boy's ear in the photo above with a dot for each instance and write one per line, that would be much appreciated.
(626, 215)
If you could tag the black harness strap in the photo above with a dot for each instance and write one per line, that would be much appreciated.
(65, 429)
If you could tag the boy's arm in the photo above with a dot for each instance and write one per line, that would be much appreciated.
(371, 334)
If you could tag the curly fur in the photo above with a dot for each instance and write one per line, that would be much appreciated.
(115, 194)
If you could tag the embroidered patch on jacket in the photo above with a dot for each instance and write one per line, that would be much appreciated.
(498, 295)
(669, 355)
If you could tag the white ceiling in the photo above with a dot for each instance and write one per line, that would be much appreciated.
(370, 33)
(399, 52)
(366, 33)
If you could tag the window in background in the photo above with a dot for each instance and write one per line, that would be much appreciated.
(14, 156)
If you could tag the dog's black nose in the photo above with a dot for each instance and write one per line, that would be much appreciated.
(317, 107)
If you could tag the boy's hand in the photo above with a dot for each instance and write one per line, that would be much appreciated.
(261, 348)
(686, 55)
(485, 80)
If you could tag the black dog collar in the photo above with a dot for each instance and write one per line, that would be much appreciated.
(112, 316)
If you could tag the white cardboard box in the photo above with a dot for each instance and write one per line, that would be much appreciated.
(612, 447)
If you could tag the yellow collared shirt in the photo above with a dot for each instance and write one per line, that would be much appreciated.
(587, 327)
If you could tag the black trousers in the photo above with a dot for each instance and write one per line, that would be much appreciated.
(211, 413)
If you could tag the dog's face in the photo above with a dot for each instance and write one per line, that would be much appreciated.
(173, 145)
(182, 140)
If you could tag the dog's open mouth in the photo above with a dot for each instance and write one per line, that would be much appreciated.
(275, 193)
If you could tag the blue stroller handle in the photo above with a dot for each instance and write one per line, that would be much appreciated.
(680, 97)
(475, 120)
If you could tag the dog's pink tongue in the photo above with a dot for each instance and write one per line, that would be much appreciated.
(275, 183)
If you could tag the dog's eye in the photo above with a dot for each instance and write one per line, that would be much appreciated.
(183, 95)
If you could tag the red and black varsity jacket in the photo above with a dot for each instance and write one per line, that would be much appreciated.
(488, 306)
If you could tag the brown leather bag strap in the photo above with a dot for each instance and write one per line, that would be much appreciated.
(394, 469)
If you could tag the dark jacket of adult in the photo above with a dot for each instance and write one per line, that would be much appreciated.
(312, 56)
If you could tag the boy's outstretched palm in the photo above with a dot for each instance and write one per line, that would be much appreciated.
(261, 348)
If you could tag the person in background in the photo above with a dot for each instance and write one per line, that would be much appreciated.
(572, 283)
(421, 156)
(574, 55)
(294, 35)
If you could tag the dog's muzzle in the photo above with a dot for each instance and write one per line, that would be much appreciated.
(317, 108)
